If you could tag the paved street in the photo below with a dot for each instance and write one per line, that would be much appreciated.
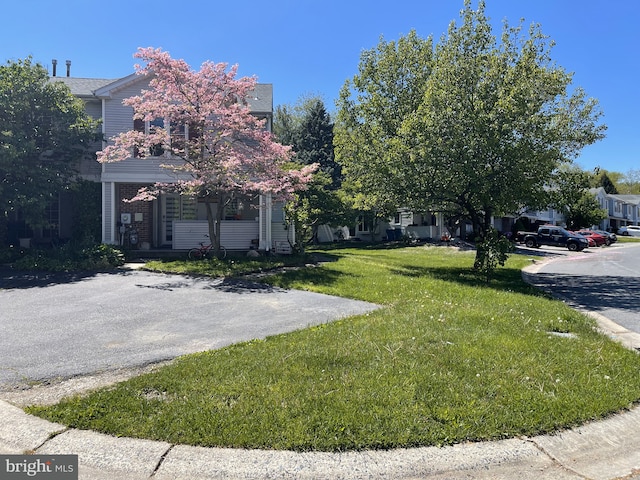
(67, 325)
(603, 280)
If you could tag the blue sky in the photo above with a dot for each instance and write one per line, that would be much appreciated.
(312, 46)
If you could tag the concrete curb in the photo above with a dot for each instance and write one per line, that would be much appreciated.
(604, 450)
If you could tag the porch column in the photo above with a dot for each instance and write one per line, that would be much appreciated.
(266, 212)
(108, 213)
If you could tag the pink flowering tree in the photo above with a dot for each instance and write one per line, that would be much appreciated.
(214, 147)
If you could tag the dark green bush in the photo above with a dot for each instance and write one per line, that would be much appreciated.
(71, 257)
(9, 254)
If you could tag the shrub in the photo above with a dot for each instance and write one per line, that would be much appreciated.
(71, 257)
(492, 250)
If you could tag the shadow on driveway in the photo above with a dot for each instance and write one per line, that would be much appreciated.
(15, 279)
(227, 285)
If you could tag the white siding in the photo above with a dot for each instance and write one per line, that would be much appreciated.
(118, 118)
(235, 235)
(93, 109)
(139, 170)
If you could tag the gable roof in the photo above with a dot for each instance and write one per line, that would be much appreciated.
(82, 87)
(260, 99)
(106, 90)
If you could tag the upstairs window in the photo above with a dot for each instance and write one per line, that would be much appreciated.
(146, 128)
(178, 135)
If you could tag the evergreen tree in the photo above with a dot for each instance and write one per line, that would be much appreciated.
(309, 129)
(314, 142)
(603, 180)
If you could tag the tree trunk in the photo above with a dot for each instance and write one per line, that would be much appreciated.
(481, 226)
(215, 222)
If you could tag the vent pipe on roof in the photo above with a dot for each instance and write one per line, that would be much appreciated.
(55, 64)
(68, 68)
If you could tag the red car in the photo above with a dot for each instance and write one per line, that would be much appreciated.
(598, 239)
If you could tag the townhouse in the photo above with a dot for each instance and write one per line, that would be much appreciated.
(171, 221)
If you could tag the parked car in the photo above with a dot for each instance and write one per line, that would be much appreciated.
(592, 242)
(630, 230)
(554, 236)
(613, 238)
(598, 239)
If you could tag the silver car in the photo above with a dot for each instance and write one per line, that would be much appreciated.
(630, 230)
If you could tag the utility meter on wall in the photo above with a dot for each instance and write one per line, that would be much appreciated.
(125, 218)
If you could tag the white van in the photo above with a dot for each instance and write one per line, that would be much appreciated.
(632, 230)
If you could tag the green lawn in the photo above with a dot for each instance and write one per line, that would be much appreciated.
(449, 358)
(628, 239)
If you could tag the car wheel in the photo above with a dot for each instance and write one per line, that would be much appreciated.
(530, 243)
(573, 247)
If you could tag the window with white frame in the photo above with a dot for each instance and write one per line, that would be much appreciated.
(178, 135)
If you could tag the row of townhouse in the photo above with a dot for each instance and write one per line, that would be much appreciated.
(171, 221)
(178, 222)
(622, 210)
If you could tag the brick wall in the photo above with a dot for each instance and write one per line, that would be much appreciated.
(129, 190)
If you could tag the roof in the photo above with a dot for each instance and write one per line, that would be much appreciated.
(82, 87)
(260, 100)
(625, 198)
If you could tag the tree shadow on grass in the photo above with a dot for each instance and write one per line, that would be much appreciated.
(502, 279)
(309, 275)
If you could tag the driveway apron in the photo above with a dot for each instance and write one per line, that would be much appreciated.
(60, 326)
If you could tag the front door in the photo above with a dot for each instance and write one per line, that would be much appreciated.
(174, 207)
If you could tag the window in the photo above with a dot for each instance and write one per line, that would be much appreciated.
(363, 224)
(242, 209)
(178, 135)
(146, 128)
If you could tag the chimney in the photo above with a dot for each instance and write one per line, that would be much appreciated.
(68, 68)
(55, 64)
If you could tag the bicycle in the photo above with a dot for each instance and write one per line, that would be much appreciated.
(203, 251)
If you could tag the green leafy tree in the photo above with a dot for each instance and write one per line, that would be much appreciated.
(585, 213)
(372, 109)
(570, 195)
(44, 133)
(493, 250)
(630, 183)
(491, 123)
(309, 129)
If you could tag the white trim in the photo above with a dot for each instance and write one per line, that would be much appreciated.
(107, 90)
(261, 207)
(268, 219)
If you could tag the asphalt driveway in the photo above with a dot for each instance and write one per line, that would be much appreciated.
(60, 326)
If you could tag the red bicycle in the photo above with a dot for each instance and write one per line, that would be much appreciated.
(204, 251)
